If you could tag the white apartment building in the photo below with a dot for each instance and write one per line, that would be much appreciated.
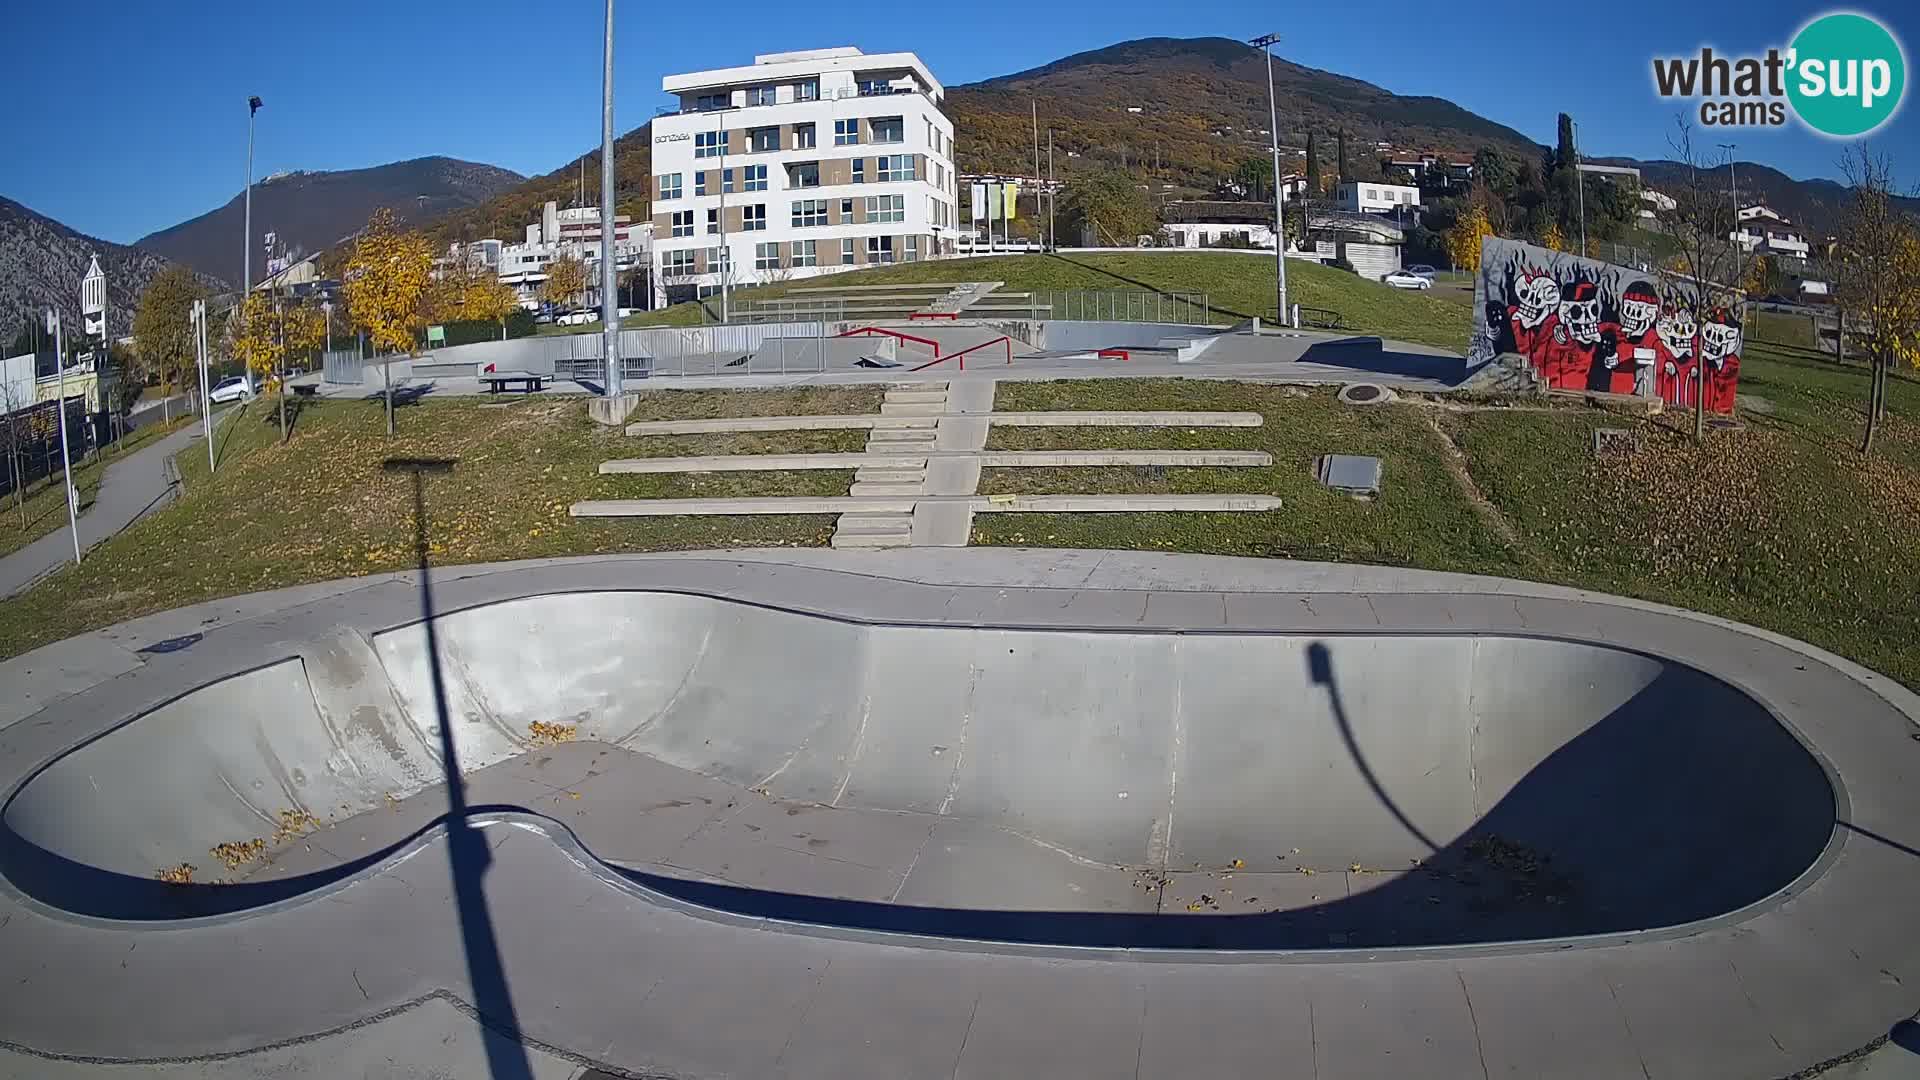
(1764, 232)
(1368, 198)
(572, 232)
(824, 160)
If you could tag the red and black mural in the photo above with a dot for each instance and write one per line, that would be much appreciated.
(1588, 325)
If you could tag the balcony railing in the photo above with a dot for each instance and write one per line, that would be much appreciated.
(843, 93)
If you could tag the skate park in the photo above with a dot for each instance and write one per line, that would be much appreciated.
(972, 812)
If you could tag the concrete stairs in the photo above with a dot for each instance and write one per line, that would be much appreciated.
(920, 404)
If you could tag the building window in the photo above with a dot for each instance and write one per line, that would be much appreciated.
(807, 90)
(896, 167)
(683, 223)
(726, 181)
(886, 208)
(677, 262)
(754, 178)
(804, 253)
(766, 256)
(700, 183)
(803, 136)
(875, 87)
(846, 132)
(929, 124)
(912, 253)
(760, 95)
(888, 129)
(710, 102)
(670, 185)
(719, 260)
(710, 143)
(846, 210)
(804, 174)
(753, 218)
(809, 212)
(763, 140)
(880, 249)
(859, 170)
(846, 250)
(713, 221)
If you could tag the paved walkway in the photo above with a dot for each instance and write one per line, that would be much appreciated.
(134, 485)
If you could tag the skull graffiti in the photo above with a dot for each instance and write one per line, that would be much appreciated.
(1676, 328)
(1639, 306)
(1538, 297)
(1580, 312)
(1719, 339)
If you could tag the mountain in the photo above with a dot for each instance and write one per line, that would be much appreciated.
(1203, 110)
(42, 262)
(312, 211)
(1816, 205)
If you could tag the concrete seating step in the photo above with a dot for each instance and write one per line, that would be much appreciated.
(872, 540)
(889, 476)
(860, 488)
(874, 523)
(915, 397)
(913, 408)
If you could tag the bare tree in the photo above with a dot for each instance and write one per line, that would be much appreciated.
(1706, 258)
(14, 400)
(1877, 276)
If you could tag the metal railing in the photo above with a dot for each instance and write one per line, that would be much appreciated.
(727, 349)
(1121, 305)
(819, 309)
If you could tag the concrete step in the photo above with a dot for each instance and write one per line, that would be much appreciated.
(916, 397)
(894, 441)
(874, 523)
(872, 540)
(859, 489)
(903, 423)
(889, 476)
(913, 408)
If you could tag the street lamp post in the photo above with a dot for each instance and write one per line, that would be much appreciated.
(1733, 185)
(66, 458)
(199, 319)
(246, 242)
(609, 296)
(1265, 44)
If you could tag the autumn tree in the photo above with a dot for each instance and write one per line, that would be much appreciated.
(163, 334)
(486, 298)
(256, 338)
(387, 277)
(1463, 240)
(1705, 258)
(1878, 280)
(1551, 239)
(1112, 205)
(566, 280)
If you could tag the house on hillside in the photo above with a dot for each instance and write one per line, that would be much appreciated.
(1199, 223)
(1366, 197)
(1763, 231)
(1371, 242)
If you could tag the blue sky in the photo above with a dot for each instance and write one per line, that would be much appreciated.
(156, 133)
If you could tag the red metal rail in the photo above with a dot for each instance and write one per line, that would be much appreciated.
(962, 354)
(1111, 354)
(871, 330)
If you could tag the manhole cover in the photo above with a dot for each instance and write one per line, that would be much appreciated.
(1615, 441)
(1365, 394)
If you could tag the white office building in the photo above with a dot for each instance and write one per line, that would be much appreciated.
(573, 232)
(802, 163)
(1358, 197)
(1764, 232)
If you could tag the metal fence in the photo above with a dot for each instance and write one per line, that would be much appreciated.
(803, 309)
(343, 366)
(766, 348)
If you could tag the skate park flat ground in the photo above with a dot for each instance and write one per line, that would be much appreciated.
(957, 812)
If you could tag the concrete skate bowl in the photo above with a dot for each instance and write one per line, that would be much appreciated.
(1041, 787)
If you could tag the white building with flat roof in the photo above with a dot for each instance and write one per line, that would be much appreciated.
(573, 232)
(1365, 197)
(801, 163)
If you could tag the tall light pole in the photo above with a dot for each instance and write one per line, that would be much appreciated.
(726, 257)
(66, 459)
(609, 298)
(1579, 182)
(246, 242)
(1733, 185)
(1265, 43)
(199, 319)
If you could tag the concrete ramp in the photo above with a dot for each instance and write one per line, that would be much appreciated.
(977, 781)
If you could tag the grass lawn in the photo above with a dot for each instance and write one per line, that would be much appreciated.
(1237, 286)
(321, 506)
(44, 508)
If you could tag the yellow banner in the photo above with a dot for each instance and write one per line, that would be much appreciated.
(1012, 200)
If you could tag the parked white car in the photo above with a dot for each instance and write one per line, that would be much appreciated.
(1400, 279)
(231, 388)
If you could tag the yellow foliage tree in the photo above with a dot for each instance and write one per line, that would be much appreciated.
(387, 278)
(256, 338)
(1463, 240)
(1552, 240)
(1878, 278)
(566, 279)
(487, 298)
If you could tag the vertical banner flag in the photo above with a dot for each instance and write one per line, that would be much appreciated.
(977, 205)
(1011, 199)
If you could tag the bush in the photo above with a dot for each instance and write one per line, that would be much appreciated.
(1343, 264)
(519, 324)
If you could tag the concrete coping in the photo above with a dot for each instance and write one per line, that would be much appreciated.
(904, 504)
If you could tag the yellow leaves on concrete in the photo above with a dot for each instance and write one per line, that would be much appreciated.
(387, 281)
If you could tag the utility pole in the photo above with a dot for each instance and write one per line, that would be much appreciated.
(1053, 197)
(199, 318)
(1034, 102)
(246, 242)
(726, 257)
(1579, 182)
(1265, 43)
(66, 458)
(609, 297)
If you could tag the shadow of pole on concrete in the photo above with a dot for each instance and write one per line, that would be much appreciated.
(1320, 667)
(467, 846)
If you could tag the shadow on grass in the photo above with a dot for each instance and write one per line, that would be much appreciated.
(1137, 283)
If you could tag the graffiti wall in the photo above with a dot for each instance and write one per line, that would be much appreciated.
(1588, 325)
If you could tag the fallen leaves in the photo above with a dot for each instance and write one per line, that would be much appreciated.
(177, 875)
(547, 733)
(238, 853)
